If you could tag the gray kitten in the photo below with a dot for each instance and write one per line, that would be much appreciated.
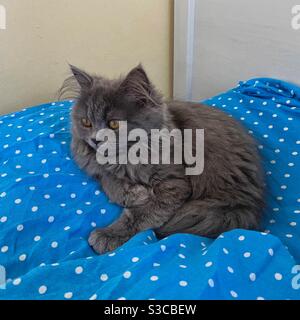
(227, 195)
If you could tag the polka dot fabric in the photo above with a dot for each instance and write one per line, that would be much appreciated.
(48, 207)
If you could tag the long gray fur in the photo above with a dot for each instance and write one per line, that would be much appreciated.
(227, 195)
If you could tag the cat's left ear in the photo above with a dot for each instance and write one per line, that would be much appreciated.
(138, 86)
(83, 78)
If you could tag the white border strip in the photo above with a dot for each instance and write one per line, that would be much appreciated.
(190, 46)
(2, 17)
(184, 28)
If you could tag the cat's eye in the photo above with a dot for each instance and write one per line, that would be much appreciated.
(114, 124)
(86, 123)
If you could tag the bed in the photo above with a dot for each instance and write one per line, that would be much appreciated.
(48, 207)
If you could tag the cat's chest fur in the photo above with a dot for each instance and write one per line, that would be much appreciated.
(148, 174)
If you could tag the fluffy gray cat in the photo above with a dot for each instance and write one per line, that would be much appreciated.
(227, 195)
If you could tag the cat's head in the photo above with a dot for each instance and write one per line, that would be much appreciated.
(102, 103)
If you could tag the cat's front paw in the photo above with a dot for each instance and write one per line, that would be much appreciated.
(103, 241)
(136, 196)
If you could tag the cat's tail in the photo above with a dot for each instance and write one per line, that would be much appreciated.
(210, 218)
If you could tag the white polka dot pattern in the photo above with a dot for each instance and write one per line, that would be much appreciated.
(48, 207)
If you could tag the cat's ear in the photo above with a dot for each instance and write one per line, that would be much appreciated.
(138, 86)
(84, 79)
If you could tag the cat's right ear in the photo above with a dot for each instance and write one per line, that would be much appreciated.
(84, 79)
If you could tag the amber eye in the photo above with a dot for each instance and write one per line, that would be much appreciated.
(86, 123)
(114, 124)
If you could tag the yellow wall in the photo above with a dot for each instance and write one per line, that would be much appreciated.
(103, 36)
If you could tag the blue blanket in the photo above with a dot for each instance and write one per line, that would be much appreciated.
(48, 207)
